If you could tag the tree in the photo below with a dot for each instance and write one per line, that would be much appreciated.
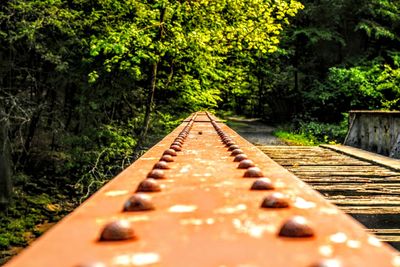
(185, 47)
(5, 162)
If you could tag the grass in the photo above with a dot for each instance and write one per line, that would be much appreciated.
(296, 139)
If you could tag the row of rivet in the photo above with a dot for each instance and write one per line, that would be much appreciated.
(297, 226)
(121, 229)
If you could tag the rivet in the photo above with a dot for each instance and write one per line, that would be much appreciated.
(161, 165)
(138, 202)
(240, 157)
(229, 143)
(226, 140)
(233, 147)
(156, 173)
(237, 152)
(170, 151)
(177, 143)
(148, 185)
(246, 163)
(328, 263)
(167, 158)
(262, 184)
(117, 230)
(253, 172)
(276, 200)
(297, 226)
(176, 148)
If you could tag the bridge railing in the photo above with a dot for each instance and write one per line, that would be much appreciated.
(204, 196)
(375, 131)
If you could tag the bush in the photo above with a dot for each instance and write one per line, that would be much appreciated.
(324, 132)
(305, 131)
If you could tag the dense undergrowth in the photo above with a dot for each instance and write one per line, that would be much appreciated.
(56, 182)
(312, 133)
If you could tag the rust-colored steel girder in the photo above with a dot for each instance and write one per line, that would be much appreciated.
(213, 200)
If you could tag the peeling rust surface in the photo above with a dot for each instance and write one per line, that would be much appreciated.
(205, 214)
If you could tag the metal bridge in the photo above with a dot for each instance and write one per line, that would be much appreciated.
(204, 196)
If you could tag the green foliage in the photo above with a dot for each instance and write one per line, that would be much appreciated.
(192, 43)
(308, 132)
(295, 139)
(374, 86)
(324, 132)
(18, 225)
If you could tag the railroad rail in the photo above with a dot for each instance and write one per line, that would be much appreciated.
(204, 196)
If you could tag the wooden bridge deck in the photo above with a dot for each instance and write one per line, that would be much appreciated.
(368, 192)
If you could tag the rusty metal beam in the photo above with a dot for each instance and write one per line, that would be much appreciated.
(202, 212)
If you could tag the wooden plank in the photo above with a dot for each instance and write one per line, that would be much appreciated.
(358, 187)
(378, 210)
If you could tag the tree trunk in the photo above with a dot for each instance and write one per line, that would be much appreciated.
(150, 100)
(152, 85)
(5, 165)
(33, 125)
(31, 133)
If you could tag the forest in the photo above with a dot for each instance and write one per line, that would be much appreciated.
(87, 86)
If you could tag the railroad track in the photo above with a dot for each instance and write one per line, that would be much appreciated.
(368, 192)
(204, 196)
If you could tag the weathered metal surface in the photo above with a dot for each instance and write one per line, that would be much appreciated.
(368, 192)
(206, 215)
(376, 131)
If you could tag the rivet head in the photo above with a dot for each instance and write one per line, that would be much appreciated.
(167, 158)
(229, 143)
(176, 148)
(148, 185)
(246, 163)
(170, 152)
(177, 143)
(276, 201)
(138, 202)
(156, 173)
(262, 184)
(117, 231)
(296, 226)
(233, 147)
(328, 263)
(236, 152)
(161, 165)
(240, 157)
(253, 172)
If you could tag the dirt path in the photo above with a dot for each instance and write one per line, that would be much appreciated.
(255, 131)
